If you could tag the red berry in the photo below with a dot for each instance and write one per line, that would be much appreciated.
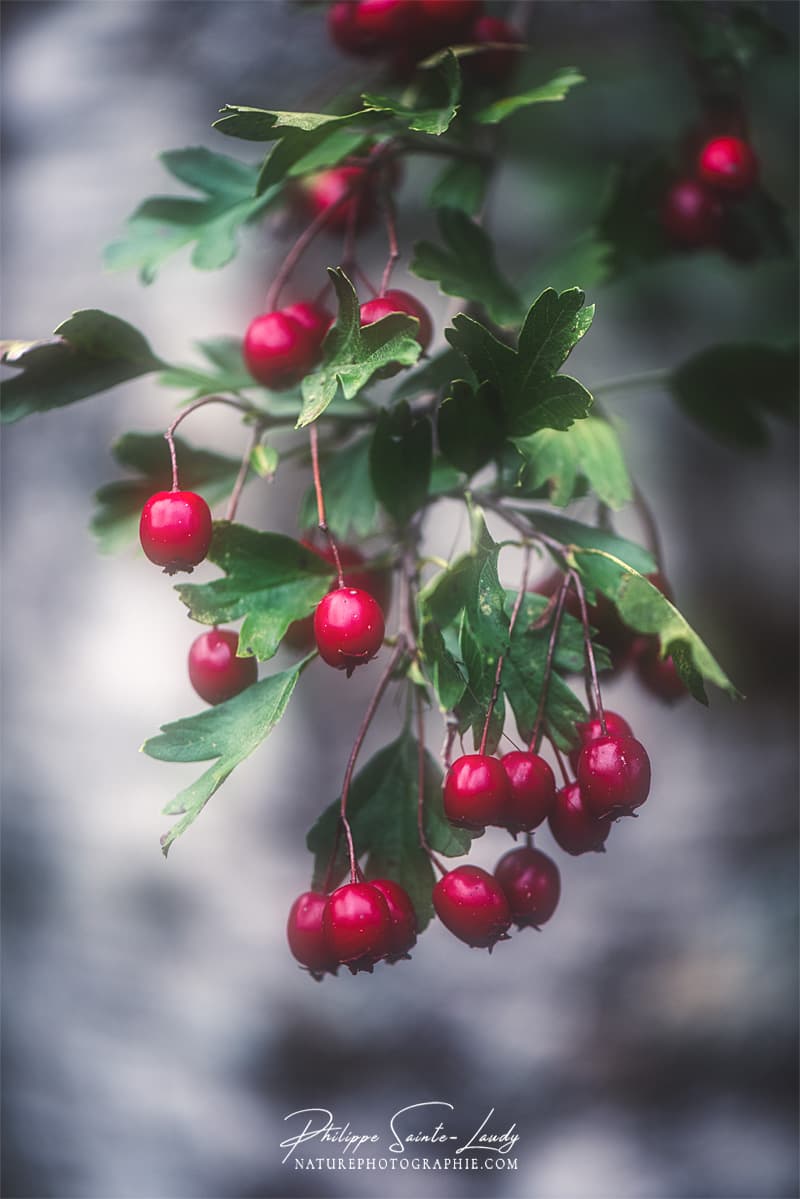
(305, 934)
(659, 675)
(403, 936)
(532, 790)
(574, 827)
(399, 301)
(322, 191)
(214, 669)
(691, 214)
(531, 884)
(300, 634)
(495, 65)
(471, 904)
(175, 530)
(728, 163)
(348, 627)
(367, 26)
(590, 730)
(476, 792)
(315, 319)
(278, 350)
(357, 926)
(614, 775)
(451, 14)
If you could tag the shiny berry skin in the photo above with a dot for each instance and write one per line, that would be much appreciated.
(614, 775)
(300, 634)
(305, 934)
(728, 163)
(278, 351)
(315, 319)
(348, 628)
(590, 730)
(531, 791)
(691, 215)
(322, 191)
(214, 670)
(495, 65)
(175, 530)
(659, 675)
(403, 936)
(472, 905)
(476, 792)
(357, 926)
(574, 827)
(393, 301)
(531, 884)
(368, 27)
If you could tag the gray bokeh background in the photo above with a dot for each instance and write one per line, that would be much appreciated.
(155, 1030)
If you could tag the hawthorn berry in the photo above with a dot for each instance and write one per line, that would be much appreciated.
(728, 163)
(175, 530)
(215, 671)
(300, 634)
(590, 730)
(531, 883)
(348, 628)
(614, 775)
(472, 905)
(323, 192)
(306, 937)
(357, 926)
(691, 214)
(368, 27)
(396, 300)
(448, 14)
(315, 319)
(279, 350)
(494, 65)
(574, 827)
(659, 675)
(403, 935)
(476, 792)
(531, 790)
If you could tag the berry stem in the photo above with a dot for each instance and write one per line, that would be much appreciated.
(301, 245)
(390, 215)
(523, 584)
(596, 698)
(451, 732)
(423, 840)
(321, 518)
(644, 379)
(247, 409)
(241, 478)
(372, 708)
(561, 763)
(536, 735)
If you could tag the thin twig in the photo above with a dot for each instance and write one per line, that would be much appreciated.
(391, 233)
(596, 700)
(247, 409)
(536, 735)
(303, 242)
(501, 659)
(321, 517)
(241, 478)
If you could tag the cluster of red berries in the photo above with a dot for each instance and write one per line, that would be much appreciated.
(407, 31)
(693, 212)
(358, 925)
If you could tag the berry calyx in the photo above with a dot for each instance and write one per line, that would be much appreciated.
(215, 671)
(472, 905)
(531, 790)
(590, 730)
(306, 937)
(300, 634)
(403, 934)
(691, 214)
(278, 350)
(322, 191)
(495, 65)
(357, 926)
(175, 530)
(531, 884)
(476, 792)
(394, 301)
(348, 628)
(728, 163)
(574, 827)
(614, 775)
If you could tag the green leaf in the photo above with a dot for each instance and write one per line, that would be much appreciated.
(353, 354)
(575, 535)
(555, 89)
(226, 735)
(400, 461)
(643, 608)
(270, 580)
(300, 152)
(466, 266)
(468, 427)
(441, 667)
(164, 224)
(382, 810)
(228, 372)
(590, 449)
(91, 352)
(350, 500)
(118, 506)
(270, 124)
(461, 185)
(434, 374)
(532, 395)
(729, 390)
(434, 119)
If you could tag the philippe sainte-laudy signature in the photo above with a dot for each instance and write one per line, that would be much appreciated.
(410, 1128)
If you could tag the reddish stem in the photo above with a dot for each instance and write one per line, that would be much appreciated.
(391, 233)
(536, 735)
(170, 433)
(321, 518)
(241, 478)
(500, 661)
(301, 245)
(596, 699)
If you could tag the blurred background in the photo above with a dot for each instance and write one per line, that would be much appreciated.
(156, 1031)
